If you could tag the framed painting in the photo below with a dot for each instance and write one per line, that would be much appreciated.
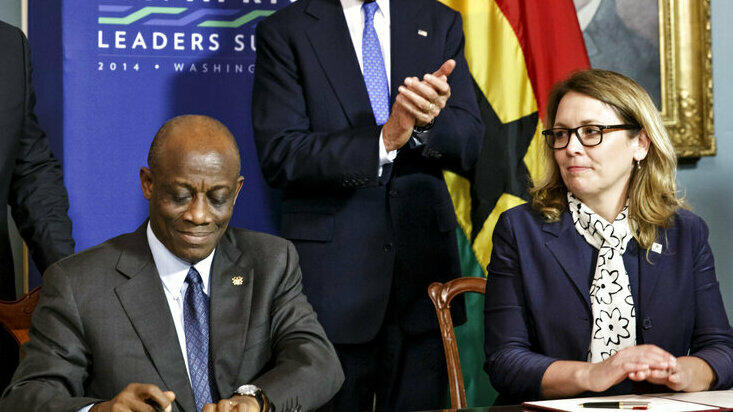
(665, 46)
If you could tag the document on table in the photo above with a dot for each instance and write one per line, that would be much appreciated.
(723, 399)
(672, 402)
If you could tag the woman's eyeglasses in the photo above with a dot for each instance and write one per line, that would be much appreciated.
(588, 135)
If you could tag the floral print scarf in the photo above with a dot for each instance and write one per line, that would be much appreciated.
(612, 304)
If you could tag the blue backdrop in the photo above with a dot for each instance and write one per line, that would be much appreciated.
(108, 73)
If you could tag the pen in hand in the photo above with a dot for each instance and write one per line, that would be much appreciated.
(156, 406)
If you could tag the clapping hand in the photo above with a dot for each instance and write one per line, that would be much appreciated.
(424, 99)
(418, 103)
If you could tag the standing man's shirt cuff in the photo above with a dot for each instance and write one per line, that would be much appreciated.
(86, 408)
(384, 156)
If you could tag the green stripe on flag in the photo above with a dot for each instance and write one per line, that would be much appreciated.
(470, 335)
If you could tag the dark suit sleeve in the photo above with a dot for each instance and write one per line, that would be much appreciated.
(455, 139)
(56, 359)
(37, 194)
(306, 369)
(290, 153)
(712, 338)
(514, 369)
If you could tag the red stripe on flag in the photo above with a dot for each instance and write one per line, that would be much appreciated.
(551, 40)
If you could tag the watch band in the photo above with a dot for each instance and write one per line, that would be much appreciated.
(420, 133)
(422, 129)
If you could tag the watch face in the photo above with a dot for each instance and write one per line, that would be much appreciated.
(249, 390)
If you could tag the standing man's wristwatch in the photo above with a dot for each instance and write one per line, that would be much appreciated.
(255, 392)
(419, 131)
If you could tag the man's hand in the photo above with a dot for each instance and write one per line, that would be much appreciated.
(138, 397)
(425, 99)
(236, 403)
(417, 103)
(398, 129)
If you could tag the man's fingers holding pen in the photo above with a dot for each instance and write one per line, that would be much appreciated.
(138, 397)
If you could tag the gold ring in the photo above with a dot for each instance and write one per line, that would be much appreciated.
(232, 403)
(431, 107)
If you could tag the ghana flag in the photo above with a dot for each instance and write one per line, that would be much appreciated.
(516, 51)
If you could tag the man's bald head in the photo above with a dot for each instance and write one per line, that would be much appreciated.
(192, 132)
(192, 184)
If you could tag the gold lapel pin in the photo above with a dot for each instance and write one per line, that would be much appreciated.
(237, 280)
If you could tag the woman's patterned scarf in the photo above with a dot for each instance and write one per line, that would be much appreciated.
(612, 304)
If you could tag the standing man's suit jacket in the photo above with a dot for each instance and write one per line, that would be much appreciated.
(318, 140)
(30, 181)
(30, 176)
(103, 322)
(538, 306)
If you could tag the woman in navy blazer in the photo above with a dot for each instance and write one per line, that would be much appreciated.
(545, 278)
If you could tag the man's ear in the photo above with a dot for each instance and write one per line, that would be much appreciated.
(642, 146)
(240, 183)
(146, 182)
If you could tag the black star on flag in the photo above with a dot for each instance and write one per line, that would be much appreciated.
(500, 168)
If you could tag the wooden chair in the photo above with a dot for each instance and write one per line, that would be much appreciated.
(15, 316)
(441, 295)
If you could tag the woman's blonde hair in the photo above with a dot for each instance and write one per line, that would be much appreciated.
(652, 191)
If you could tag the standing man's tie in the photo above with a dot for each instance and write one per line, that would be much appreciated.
(196, 326)
(375, 75)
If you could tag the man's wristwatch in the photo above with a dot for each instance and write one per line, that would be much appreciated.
(423, 129)
(418, 131)
(255, 392)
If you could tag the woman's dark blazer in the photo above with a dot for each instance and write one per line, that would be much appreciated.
(538, 308)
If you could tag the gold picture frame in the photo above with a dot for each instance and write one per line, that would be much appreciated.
(686, 66)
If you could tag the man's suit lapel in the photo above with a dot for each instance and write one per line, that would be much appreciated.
(410, 50)
(143, 299)
(564, 244)
(230, 312)
(331, 41)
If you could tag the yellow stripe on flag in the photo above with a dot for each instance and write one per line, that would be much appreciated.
(495, 58)
(483, 244)
(533, 157)
(460, 192)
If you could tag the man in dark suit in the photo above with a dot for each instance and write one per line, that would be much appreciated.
(30, 180)
(182, 313)
(349, 126)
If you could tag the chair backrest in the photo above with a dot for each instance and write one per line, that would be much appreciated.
(441, 294)
(16, 316)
